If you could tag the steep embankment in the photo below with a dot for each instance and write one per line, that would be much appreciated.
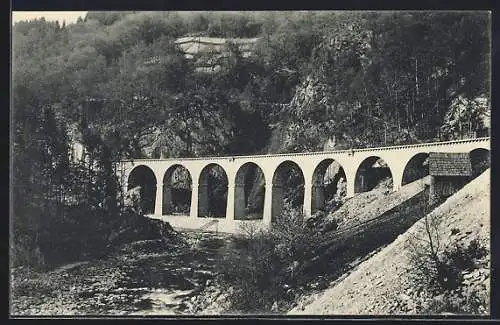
(368, 205)
(381, 284)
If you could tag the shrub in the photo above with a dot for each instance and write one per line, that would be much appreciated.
(136, 227)
(439, 270)
(463, 257)
(250, 270)
(294, 238)
(467, 300)
(22, 254)
(428, 269)
(264, 267)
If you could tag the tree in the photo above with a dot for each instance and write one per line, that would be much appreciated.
(41, 182)
(464, 117)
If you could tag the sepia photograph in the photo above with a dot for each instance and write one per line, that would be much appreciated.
(250, 163)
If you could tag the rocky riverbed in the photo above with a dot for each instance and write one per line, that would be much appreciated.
(141, 278)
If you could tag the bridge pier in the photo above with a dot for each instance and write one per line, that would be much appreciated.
(350, 174)
(397, 178)
(194, 199)
(276, 200)
(318, 197)
(202, 199)
(230, 204)
(239, 200)
(306, 209)
(268, 204)
(159, 200)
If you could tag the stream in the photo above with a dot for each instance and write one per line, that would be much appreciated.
(174, 281)
(141, 278)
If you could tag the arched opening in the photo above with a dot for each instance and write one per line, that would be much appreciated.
(480, 161)
(212, 192)
(328, 186)
(416, 168)
(288, 188)
(141, 188)
(177, 189)
(371, 172)
(249, 191)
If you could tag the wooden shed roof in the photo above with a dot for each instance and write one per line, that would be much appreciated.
(449, 164)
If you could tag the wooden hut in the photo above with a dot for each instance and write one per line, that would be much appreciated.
(448, 172)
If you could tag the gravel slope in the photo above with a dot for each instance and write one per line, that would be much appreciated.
(378, 285)
(371, 204)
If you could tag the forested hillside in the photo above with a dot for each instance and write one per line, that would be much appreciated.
(367, 78)
(123, 84)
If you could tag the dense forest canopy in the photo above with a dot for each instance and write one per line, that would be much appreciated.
(328, 69)
(402, 68)
(361, 78)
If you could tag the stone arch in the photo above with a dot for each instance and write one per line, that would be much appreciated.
(480, 161)
(328, 182)
(249, 192)
(177, 189)
(416, 168)
(212, 191)
(369, 174)
(141, 188)
(288, 185)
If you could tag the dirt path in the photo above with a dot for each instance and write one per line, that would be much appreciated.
(142, 278)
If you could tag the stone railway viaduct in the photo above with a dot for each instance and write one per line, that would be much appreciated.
(354, 162)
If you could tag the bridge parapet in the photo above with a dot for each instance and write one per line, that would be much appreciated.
(485, 140)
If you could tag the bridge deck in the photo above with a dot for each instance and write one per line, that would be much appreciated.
(345, 151)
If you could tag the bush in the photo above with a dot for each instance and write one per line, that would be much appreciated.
(294, 238)
(86, 232)
(438, 272)
(467, 300)
(463, 257)
(252, 272)
(436, 268)
(137, 227)
(264, 267)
